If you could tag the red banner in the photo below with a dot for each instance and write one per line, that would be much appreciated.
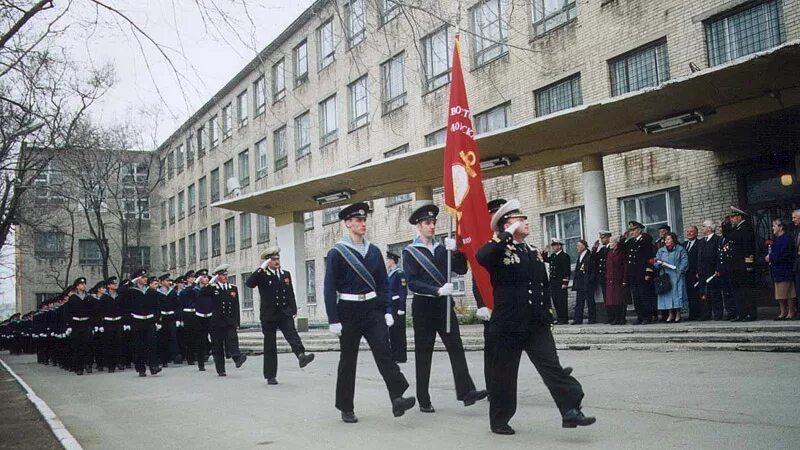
(462, 180)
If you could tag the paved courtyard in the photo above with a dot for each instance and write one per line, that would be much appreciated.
(730, 400)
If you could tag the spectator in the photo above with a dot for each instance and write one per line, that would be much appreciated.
(615, 283)
(796, 222)
(663, 231)
(582, 283)
(781, 260)
(708, 272)
(673, 259)
(692, 247)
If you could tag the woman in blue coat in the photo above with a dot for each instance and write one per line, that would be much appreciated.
(781, 261)
(673, 259)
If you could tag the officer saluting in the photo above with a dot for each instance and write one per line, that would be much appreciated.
(278, 309)
(225, 319)
(358, 304)
(425, 263)
(396, 280)
(521, 321)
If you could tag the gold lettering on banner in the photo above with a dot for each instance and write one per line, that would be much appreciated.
(469, 159)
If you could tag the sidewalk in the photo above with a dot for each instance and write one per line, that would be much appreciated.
(21, 425)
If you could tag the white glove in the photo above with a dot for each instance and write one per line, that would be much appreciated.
(179, 324)
(389, 319)
(513, 227)
(450, 244)
(265, 264)
(483, 314)
(95, 329)
(126, 328)
(213, 280)
(401, 313)
(446, 289)
(68, 332)
(102, 330)
(335, 329)
(158, 326)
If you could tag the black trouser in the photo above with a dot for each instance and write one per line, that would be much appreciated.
(168, 349)
(81, 345)
(643, 300)
(224, 340)
(185, 336)
(364, 319)
(745, 301)
(97, 348)
(488, 355)
(695, 306)
(269, 328)
(559, 297)
(584, 297)
(541, 349)
(430, 320)
(199, 339)
(397, 338)
(112, 337)
(711, 303)
(143, 333)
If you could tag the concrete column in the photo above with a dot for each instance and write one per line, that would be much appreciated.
(594, 197)
(289, 234)
(423, 195)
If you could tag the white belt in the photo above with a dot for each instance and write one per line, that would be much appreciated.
(203, 315)
(358, 297)
(188, 309)
(112, 319)
(395, 297)
(167, 313)
(137, 316)
(80, 319)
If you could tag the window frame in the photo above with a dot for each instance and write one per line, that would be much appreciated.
(262, 237)
(358, 120)
(216, 240)
(757, 8)
(326, 59)
(259, 96)
(242, 109)
(557, 219)
(564, 16)
(433, 81)
(278, 72)
(327, 136)
(391, 100)
(243, 160)
(245, 231)
(230, 234)
(304, 149)
(355, 37)
(262, 159)
(298, 60)
(627, 58)
(549, 90)
(673, 207)
(477, 118)
(484, 54)
(279, 135)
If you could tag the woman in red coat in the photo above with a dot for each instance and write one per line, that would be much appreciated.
(615, 283)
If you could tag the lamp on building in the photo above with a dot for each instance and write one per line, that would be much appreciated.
(787, 179)
(496, 163)
(673, 122)
(333, 197)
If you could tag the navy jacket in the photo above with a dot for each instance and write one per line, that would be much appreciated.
(276, 292)
(80, 307)
(781, 258)
(204, 300)
(419, 281)
(398, 289)
(187, 297)
(341, 279)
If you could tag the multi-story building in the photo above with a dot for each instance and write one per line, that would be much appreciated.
(348, 85)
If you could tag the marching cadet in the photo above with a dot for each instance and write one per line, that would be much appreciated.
(96, 292)
(521, 321)
(225, 319)
(425, 264)
(740, 239)
(396, 280)
(358, 304)
(204, 310)
(79, 313)
(142, 303)
(111, 316)
(170, 311)
(278, 309)
(126, 344)
(640, 252)
(560, 269)
(187, 297)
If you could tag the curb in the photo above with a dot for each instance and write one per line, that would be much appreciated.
(65, 438)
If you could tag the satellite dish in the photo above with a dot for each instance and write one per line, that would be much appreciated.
(233, 186)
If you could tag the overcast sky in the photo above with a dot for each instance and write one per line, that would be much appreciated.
(206, 50)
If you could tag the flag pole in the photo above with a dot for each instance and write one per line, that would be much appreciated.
(449, 277)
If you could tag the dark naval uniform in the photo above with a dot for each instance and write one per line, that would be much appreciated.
(398, 290)
(204, 304)
(170, 311)
(598, 272)
(111, 315)
(708, 264)
(741, 242)
(582, 284)
(224, 322)
(79, 319)
(639, 252)
(278, 308)
(187, 298)
(142, 303)
(560, 269)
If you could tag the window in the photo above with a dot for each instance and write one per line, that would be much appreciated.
(245, 234)
(330, 215)
(190, 151)
(744, 31)
(438, 137)
(137, 257)
(568, 227)
(171, 203)
(489, 30)
(261, 159)
(389, 10)
(247, 293)
(163, 215)
(44, 182)
(551, 14)
(227, 172)
(182, 252)
(173, 260)
(436, 53)
(326, 44)
(641, 68)
(164, 256)
(201, 142)
(244, 168)
(170, 165)
(230, 235)
(215, 240)
(192, 257)
(241, 109)
(653, 210)
(203, 244)
(278, 81)
(263, 228)
(213, 131)
(311, 282)
(279, 145)
(302, 134)
(493, 119)
(202, 192)
(179, 158)
(227, 121)
(327, 120)
(356, 22)
(308, 220)
(49, 244)
(214, 185)
(300, 59)
(561, 95)
(191, 197)
(359, 103)
(42, 297)
(399, 198)
(89, 253)
(259, 96)
(181, 205)
(393, 94)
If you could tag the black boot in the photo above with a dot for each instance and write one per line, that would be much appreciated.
(574, 418)
(474, 396)
(305, 359)
(503, 429)
(349, 417)
(402, 404)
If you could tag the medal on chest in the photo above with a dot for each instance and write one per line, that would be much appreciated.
(510, 256)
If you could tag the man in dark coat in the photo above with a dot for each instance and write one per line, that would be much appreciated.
(521, 321)
(278, 309)
(740, 236)
(581, 284)
(142, 304)
(398, 290)
(79, 320)
(708, 281)
(171, 310)
(225, 319)
(639, 272)
(692, 247)
(560, 269)
(597, 267)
